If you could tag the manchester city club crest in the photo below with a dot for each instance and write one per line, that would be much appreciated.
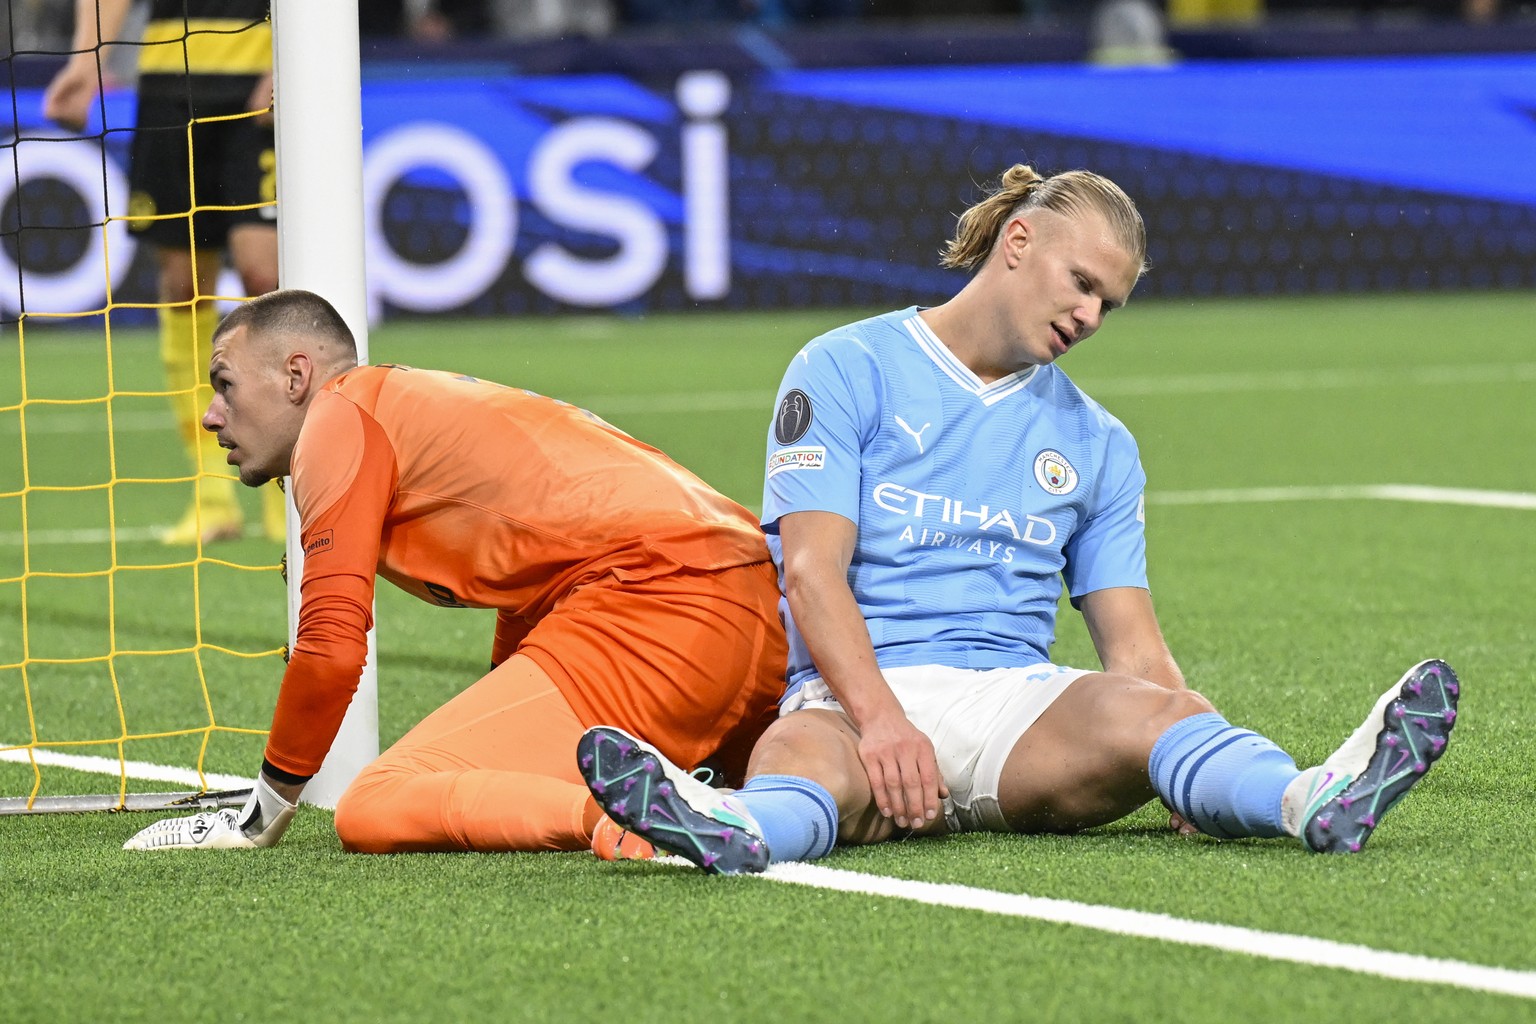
(793, 418)
(1054, 472)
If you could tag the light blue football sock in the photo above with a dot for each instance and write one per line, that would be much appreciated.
(1225, 781)
(798, 817)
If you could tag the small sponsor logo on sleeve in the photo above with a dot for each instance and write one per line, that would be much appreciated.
(320, 543)
(442, 595)
(808, 457)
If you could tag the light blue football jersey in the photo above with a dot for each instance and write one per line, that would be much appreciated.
(974, 502)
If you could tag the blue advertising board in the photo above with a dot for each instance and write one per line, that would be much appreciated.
(489, 193)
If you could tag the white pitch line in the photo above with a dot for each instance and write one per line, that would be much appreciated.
(1299, 949)
(1423, 494)
(126, 534)
(664, 403)
(87, 423)
(1182, 384)
(1368, 492)
(142, 771)
(608, 405)
(1310, 380)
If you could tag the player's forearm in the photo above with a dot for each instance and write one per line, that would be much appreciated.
(323, 671)
(1125, 633)
(313, 701)
(832, 625)
(1155, 666)
(97, 21)
(1136, 648)
(1142, 657)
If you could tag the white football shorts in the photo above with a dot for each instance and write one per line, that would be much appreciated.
(974, 717)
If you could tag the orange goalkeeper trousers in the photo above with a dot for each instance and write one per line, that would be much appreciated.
(692, 662)
(493, 769)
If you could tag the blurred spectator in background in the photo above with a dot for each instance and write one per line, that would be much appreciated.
(1124, 31)
(769, 13)
(1129, 33)
(438, 21)
(1476, 12)
(37, 24)
(209, 88)
(543, 18)
(1480, 11)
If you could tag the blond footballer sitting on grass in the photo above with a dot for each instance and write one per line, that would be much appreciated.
(933, 479)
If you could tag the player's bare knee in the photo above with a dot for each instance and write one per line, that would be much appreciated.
(176, 287)
(796, 742)
(1177, 705)
(1137, 717)
(1164, 708)
(258, 280)
(816, 745)
(175, 279)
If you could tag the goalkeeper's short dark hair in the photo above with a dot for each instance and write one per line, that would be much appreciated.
(291, 311)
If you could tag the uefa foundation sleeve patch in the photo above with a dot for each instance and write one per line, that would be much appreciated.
(803, 457)
(793, 418)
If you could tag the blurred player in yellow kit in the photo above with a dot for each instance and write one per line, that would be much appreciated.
(626, 591)
(203, 60)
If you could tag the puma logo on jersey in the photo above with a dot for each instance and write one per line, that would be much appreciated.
(917, 435)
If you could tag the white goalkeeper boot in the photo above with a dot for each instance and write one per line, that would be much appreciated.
(261, 822)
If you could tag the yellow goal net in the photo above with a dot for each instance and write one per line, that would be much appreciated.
(143, 613)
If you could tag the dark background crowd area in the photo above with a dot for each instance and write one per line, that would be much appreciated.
(657, 38)
(819, 31)
(440, 20)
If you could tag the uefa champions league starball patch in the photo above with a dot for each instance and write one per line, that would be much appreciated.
(1054, 472)
(793, 418)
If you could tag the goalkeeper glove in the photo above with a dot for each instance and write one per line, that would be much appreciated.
(261, 822)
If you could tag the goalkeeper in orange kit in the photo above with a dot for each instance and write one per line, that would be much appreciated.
(626, 591)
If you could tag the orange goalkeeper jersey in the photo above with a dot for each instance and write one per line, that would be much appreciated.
(470, 494)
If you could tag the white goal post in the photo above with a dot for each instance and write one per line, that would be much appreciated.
(318, 107)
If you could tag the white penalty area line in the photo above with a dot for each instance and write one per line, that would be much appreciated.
(141, 771)
(1298, 949)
